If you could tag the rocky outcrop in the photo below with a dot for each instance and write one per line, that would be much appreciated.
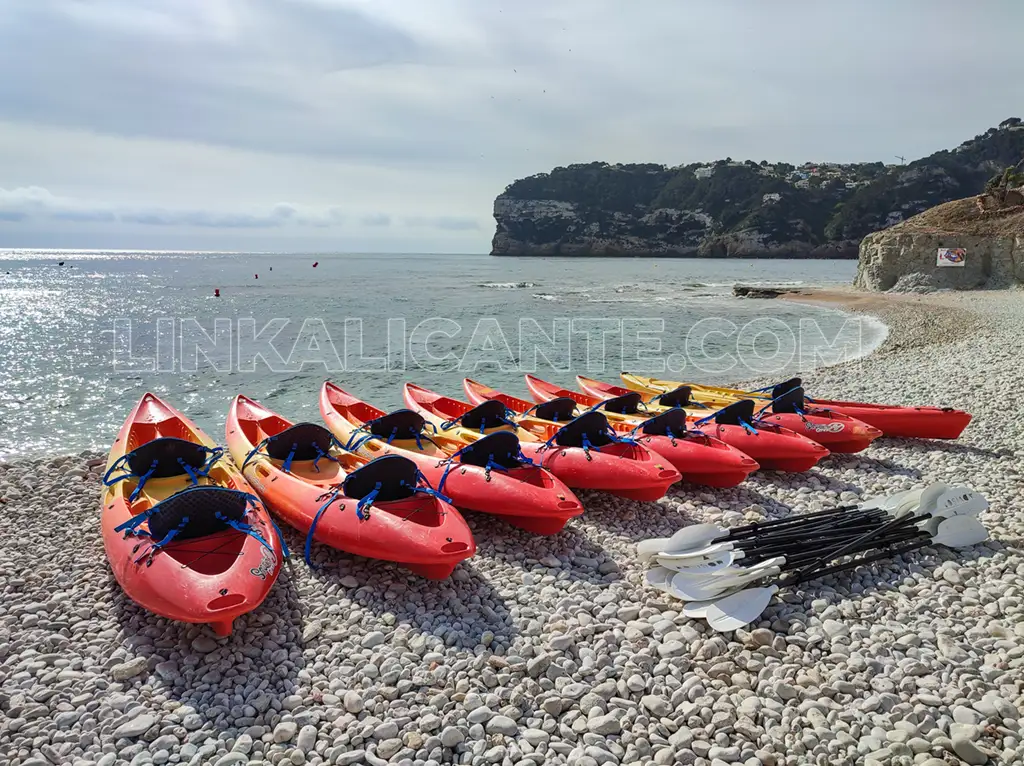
(731, 209)
(903, 258)
(555, 227)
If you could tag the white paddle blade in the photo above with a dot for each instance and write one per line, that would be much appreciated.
(648, 549)
(734, 611)
(695, 536)
(659, 577)
(708, 551)
(701, 568)
(696, 610)
(960, 501)
(960, 532)
(687, 590)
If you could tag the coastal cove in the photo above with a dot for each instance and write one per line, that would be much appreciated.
(60, 390)
(534, 629)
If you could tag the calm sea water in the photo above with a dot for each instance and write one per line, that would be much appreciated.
(67, 381)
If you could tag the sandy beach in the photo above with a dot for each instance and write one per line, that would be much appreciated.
(550, 650)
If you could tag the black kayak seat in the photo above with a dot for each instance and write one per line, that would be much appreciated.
(300, 441)
(677, 397)
(593, 425)
(162, 456)
(500, 447)
(201, 505)
(560, 410)
(731, 415)
(669, 423)
(396, 475)
(400, 424)
(785, 386)
(626, 404)
(789, 401)
(489, 414)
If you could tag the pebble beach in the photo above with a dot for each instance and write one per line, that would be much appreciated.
(551, 650)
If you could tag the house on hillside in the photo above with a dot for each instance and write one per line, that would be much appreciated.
(704, 172)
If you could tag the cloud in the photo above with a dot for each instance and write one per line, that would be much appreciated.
(36, 202)
(446, 223)
(379, 219)
(166, 109)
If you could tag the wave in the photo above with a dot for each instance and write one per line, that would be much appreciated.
(507, 285)
(547, 297)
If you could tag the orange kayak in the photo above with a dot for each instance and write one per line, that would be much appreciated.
(185, 535)
(375, 509)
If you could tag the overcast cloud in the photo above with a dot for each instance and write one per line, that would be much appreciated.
(392, 124)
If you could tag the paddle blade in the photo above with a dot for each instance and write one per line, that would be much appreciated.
(960, 532)
(738, 609)
(695, 536)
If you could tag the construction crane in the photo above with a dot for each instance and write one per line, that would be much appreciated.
(903, 160)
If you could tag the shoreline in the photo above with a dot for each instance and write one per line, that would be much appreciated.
(550, 650)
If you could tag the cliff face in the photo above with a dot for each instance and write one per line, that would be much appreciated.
(736, 209)
(903, 257)
(556, 227)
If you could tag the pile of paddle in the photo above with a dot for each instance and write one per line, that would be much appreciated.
(728, 576)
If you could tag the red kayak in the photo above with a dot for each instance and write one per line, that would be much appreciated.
(838, 432)
(907, 422)
(699, 459)
(641, 474)
(377, 509)
(185, 535)
(773, 447)
(526, 497)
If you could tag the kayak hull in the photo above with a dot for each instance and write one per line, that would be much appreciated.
(892, 420)
(527, 498)
(836, 431)
(212, 579)
(422, 533)
(703, 460)
(635, 472)
(904, 422)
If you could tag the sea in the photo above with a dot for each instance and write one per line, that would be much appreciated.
(83, 334)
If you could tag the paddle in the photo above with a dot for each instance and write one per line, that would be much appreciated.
(735, 610)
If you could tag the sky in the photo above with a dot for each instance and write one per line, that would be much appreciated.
(391, 125)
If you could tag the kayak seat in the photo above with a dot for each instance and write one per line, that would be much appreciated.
(562, 409)
(588, 430)
(677, 397)
(197, 512)
(166, 457)
(392, 477)
(736, 414)
(160, 458)
(192, 513)
(670, 423)
(400, 424)
(302, 441)
(789, 401)
(626, 404)
(785, 387)
(500, 449)
(489, 414)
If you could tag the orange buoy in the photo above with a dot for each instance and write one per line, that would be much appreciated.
(216, 293)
